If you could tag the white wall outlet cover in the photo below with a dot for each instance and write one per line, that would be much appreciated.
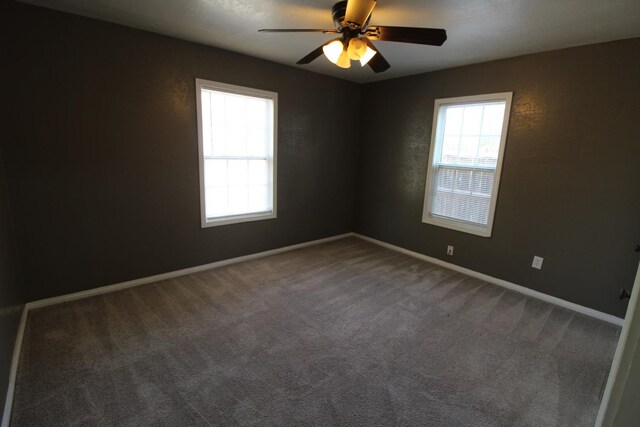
(537, 262)
(449, 250)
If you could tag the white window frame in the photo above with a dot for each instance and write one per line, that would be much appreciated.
(238, 90)
(437, 133)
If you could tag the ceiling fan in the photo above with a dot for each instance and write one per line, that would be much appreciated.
(351, 19)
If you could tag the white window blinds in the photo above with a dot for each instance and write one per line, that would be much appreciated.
(465, 156)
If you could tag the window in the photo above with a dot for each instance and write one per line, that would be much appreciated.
(237, 149)
(465, 159)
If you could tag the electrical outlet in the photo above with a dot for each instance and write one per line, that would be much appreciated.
(450, 250)
(537, 262)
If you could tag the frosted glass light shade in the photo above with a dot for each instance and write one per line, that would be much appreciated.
(370, 53)
(343, 60)
(357, 48)
(333, 50)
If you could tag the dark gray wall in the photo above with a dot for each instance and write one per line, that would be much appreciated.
(570, 189)
(12, 297)
(11, 293)
(103, 169)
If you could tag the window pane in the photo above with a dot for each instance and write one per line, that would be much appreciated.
(217, 108)
(478, 209)
(482, 183)
(257, 143)
(450, 148)
(238, 200)
(257, 113)
(468, 150)
(445, 179)
(258, 173)
(472, 120)
(453, 120)
(235, 111)
(238, 173)
(215, 173)
(463, 194)
(258, 198)
(216, 201)
(488, 149)
(462, 207)
(218, 141)
(236, 186)
(472, 134)
(463, 181)
(236, 141)
(492, 122)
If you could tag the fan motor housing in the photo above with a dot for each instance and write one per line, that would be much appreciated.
(338, 13)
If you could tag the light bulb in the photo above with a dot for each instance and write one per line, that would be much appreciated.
(333, 50)
(357, 48)
(367, 56)
(343, 60)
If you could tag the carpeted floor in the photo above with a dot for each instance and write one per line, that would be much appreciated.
(344, 333)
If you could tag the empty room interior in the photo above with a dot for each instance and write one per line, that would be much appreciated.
(296, 212)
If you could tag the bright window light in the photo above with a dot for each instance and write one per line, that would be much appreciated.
(237, 145)
(465, 159)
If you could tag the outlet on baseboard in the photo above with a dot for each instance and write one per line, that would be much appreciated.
(537, 262)
(450, 250)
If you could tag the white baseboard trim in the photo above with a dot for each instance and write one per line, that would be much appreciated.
(173, 274)
(511, 286)
(8, 403)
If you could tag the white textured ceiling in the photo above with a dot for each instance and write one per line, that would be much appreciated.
(478, 30)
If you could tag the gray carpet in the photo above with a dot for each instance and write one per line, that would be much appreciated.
(344, 333)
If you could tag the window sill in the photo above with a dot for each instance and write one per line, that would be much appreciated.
(458, 226)
(235, 219)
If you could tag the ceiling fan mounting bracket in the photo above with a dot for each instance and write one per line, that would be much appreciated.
(349, 34)
(354, 26)
(372, 34)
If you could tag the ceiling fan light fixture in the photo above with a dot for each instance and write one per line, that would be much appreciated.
(370, 53)
(351, 19)
(357, 48)
(333, 50)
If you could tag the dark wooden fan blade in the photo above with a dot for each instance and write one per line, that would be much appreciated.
(429, 36)
(294, 30)
(310, 57)
(358, 11)
(378, 64)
